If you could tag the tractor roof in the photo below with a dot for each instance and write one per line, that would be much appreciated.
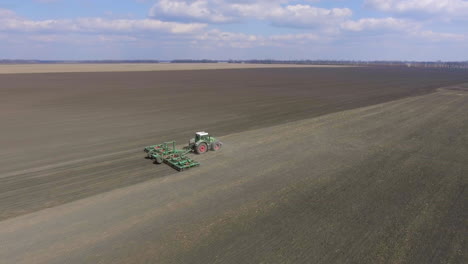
(202, 133)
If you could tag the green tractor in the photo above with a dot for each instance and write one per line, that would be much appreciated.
(177, 158)
(204, 142)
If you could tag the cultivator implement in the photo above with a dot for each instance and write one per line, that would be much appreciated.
(169, 154)
(177, 158)
(181, 163)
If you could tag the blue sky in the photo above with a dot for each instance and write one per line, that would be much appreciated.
(234, 29)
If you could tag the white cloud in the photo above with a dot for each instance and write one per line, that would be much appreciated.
(277, 12)
(306, 15)
(52, 38)
(438, 36)
(405, 28)
(241, 40)
(298, 37)
(129, 25)
(379, 24)
(450, 8)
(181, 30)
(238, 40)
(9, 22)
(6, 13)
(199, 10)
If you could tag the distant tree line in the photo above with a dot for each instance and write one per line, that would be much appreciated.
(418, 64)
(428, 64)
(195, 61)
(74, 61)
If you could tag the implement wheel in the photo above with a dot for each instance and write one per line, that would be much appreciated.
(216, 146)
(158, 160)
(201, 148)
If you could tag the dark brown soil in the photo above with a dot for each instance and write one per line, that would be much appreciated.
(358, 186)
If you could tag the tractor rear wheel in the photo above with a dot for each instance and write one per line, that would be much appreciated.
(216, 146)
(201, 148)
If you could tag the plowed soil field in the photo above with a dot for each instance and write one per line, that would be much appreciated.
(319, 165)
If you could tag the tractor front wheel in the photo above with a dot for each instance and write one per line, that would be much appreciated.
(201, 148)
(216, 145)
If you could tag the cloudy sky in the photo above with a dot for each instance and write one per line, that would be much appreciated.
(234, 29)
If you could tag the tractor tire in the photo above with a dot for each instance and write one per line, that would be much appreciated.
(158, 160)
(201, 148)
(216, 145)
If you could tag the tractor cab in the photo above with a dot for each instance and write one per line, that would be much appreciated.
(202, 136)
(204, 142)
